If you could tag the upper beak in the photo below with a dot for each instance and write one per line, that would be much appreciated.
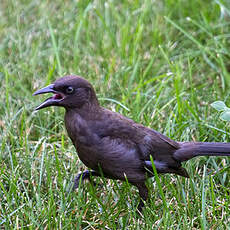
(49, 101)
(47, 89)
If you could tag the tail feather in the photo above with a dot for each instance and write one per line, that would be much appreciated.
(189, 150)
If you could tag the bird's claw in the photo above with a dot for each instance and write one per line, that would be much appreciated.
(86, 175)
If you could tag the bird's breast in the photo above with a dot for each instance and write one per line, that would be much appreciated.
(118, 157)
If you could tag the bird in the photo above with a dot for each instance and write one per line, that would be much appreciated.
(114, 146)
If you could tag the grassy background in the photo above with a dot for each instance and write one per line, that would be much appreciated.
(162, 63)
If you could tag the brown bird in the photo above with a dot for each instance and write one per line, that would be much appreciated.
(114, 145)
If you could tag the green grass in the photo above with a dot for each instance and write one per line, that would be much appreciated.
(162, 63)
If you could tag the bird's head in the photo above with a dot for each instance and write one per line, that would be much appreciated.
(69, 92)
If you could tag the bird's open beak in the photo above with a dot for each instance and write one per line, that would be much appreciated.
(51, 101)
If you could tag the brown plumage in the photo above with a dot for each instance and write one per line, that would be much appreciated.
(115, 144)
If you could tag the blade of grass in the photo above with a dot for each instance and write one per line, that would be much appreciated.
(159, 185)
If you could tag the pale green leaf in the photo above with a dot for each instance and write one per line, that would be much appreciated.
(225, 115)
(219, 105)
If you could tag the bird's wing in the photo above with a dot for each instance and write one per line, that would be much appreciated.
(156, 144)
(133, 144)
(148, 141)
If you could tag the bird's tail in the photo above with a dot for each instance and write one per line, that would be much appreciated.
(189, 150)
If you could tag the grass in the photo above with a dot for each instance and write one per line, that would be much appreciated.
(162, 63)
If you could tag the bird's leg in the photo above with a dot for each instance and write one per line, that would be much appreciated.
(86, 175)
(143, 192)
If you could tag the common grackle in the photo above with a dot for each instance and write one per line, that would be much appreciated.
(114, 144)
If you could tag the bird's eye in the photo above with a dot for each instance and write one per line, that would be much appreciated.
(69, 90)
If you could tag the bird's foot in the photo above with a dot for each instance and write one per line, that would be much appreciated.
(86, 175)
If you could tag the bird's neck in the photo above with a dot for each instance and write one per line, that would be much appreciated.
(87, 111)
(77, 122)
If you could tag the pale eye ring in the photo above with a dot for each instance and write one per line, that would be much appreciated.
(69, 90)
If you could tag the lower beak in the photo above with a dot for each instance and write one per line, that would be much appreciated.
(51, 101)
